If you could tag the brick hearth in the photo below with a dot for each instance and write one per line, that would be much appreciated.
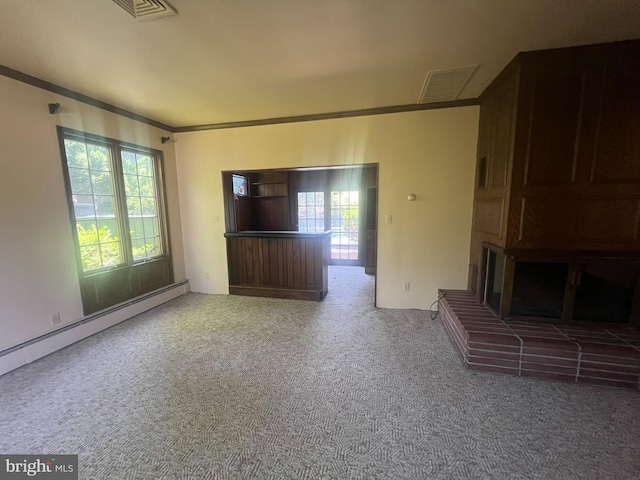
(597, 355)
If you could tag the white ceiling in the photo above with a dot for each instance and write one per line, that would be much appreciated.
(234, 60)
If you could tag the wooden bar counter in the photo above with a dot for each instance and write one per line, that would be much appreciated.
(291, 265)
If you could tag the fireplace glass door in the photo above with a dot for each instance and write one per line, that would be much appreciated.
(494, 279)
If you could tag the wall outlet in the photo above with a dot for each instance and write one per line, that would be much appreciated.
(406, 287)
(54, 318)
(206, 275)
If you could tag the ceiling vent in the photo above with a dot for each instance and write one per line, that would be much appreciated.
(445, 85)
(146, 9)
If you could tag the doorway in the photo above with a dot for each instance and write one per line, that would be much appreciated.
(310, 201)
(345, 227)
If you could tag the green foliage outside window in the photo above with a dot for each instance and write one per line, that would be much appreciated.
(99, 248)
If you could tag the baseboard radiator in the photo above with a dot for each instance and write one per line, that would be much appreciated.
(26, 352)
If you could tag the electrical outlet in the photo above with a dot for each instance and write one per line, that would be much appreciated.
(206, 275)
(406, 287)
(54, 318)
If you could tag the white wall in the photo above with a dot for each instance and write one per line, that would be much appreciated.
(428, 153)
(38, 273)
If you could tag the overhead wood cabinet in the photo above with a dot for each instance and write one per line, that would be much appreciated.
(558, 183)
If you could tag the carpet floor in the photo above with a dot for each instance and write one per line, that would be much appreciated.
(217, 387)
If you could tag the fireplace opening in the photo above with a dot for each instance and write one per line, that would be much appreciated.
(605, 290)
(574, 290)
(539, 289)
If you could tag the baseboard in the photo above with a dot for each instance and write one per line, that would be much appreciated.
(32, 350)
(287, 293)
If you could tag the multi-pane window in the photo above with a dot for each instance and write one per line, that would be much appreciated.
(92, 188)
(142, 206)
(311, 212)
(345, 215)
(116, 202)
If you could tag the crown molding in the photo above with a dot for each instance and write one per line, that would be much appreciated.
(52, 87)
(414, 107)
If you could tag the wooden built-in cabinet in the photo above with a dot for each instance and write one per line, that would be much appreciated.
(289, 265)
(558, 170)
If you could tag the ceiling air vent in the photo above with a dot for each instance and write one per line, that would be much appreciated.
(146, 9)
(445, 85)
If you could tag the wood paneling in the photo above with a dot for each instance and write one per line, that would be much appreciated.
(578, 223)
(617, 144)
(243, 213)
(270, 214)
(488, 216)
(109, 288)
(573, 159)
(501, 131)
(493, 170)
(287, 265)
(569, 151)
(230, 220)
(556, 95)
(152, 275)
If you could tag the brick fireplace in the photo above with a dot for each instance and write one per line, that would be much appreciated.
(598, 355)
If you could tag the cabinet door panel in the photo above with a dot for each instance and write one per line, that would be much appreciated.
(555, 120)
(501, 142)
(617, 146)
(583, 223)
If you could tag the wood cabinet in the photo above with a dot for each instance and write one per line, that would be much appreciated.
(289, 265)
(558, 169)
(493, 170)
(576, 157)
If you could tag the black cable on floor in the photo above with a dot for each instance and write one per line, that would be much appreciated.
(433, 314)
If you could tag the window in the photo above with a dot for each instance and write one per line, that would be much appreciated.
(142, 204)
(345, 221)
(116, 201)
(311, 212)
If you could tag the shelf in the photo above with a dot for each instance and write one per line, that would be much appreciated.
(269, 189)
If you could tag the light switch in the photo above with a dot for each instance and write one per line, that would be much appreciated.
(388, 219)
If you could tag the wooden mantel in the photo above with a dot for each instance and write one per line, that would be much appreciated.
(291, 265)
